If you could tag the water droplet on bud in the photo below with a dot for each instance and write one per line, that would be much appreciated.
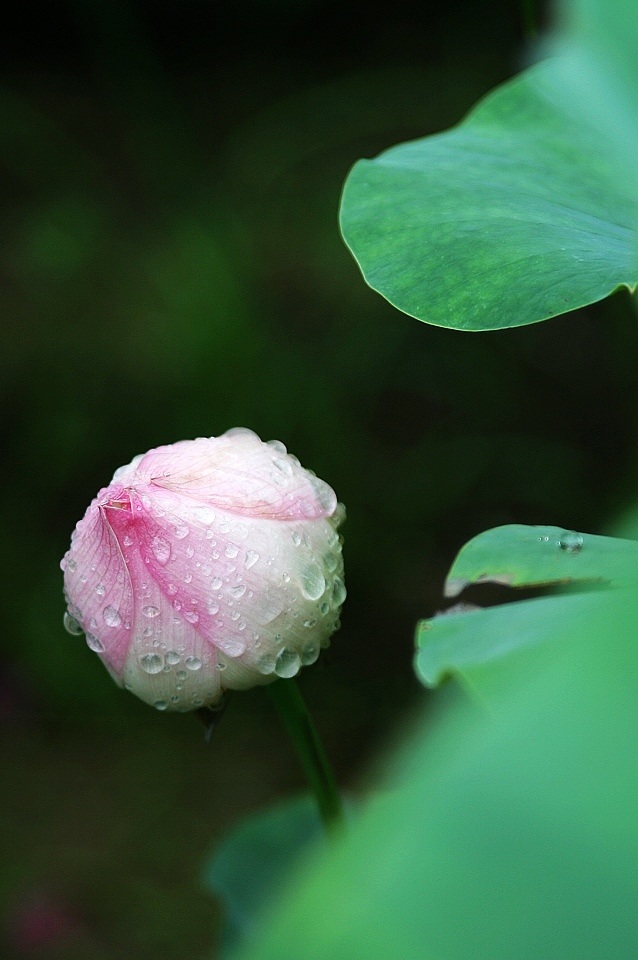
(152, 663)
(111, 617)
(310, 653)
(232, 646)
(162, 549)
(71, 625)
(287, 663)
(331, 562)
(338, 592)
(277, 445)
(313, 582)
(284, 465)
(266, 664)
(94, 644)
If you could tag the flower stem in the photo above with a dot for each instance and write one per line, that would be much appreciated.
(295, 717)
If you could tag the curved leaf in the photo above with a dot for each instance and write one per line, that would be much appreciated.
(516, 215)
(485, 646)
(523, 556)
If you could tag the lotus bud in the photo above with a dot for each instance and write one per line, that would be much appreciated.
(207, 565)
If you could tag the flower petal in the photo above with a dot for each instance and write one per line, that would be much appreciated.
(98, 588)
(240, 584)
(241, 474)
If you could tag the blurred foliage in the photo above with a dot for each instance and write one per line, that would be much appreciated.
(171, 267)
(505, 835)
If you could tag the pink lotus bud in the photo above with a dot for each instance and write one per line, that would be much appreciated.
(206, 565)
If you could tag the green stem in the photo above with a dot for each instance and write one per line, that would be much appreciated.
(295, 717)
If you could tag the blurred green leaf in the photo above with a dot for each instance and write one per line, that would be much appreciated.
(520, 556)
(598, 72)
(249, 867)
(516, 215)
(515, 836)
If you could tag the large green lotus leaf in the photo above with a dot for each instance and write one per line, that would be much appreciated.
(523, 556)
(520, 213)
(514, 835)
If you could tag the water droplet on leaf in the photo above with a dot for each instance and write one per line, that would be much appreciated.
(570, 542)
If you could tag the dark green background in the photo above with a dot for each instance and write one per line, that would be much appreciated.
(171, 267)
